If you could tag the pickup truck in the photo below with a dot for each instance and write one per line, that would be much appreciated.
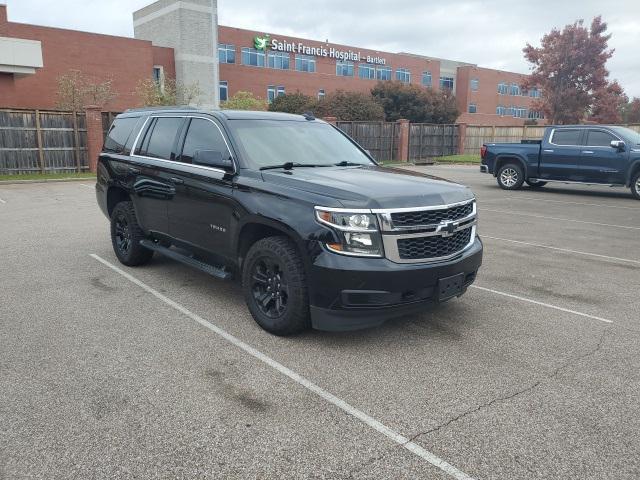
(318, 233)
(585, 154)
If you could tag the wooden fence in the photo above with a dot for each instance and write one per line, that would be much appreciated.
(476, 135)
(380, 138)
(34, 141)
(427, 141)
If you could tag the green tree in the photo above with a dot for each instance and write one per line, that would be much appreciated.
(350, 107)
(293, 103)
(415, 103)
(244, 101)
(569, 66)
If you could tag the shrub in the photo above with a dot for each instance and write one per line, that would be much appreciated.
(349, 106)
(244, 101)
(293, 103)
(416, 104)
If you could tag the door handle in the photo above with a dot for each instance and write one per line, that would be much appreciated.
(134, 171)
(587, 151)
(176, 180)
(547, 150)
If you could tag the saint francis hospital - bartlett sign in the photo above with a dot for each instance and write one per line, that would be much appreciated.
(265, 42)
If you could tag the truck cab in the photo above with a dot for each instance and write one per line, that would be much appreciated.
(586, 154)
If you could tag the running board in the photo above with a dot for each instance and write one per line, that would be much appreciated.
(218, 272)
(572, 182)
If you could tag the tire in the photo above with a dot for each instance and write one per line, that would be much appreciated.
(510, 176)
(274, 286)
(126, 235)
(635, 185)
(536, 183)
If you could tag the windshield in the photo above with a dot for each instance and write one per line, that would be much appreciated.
(630, 135)
(266, 143)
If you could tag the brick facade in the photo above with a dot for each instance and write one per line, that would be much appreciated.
(101, 57)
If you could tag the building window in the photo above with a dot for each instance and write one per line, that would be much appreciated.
(279, 60)
(321, 94)
(383, 73)
(227, 53)
(224, 91)
(446, 83)
(253, 57)
(473, 108)
(404, 75)
(503, 88)
(158, 76)
(344, 69)
(519, 112)
(474, 84)
(426, 79)
(534, 92)
(515, 89)
(535, 115)
(305, 63)
(273, 92)
(367, 71)
(280, 91)
(500, 110)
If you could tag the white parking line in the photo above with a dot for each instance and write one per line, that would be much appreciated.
(523, 299)
(2, 201)
(87, 186)
(341, 404)
(628, 227)
(518, 197)
(624, 260)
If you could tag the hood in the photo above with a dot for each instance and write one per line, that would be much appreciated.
(371, 186)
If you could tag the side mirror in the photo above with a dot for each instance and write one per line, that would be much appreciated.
(212, 158)
(618, 145)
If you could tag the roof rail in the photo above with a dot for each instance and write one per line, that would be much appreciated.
(164, 107)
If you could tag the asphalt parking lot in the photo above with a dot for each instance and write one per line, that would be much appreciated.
(160, 371)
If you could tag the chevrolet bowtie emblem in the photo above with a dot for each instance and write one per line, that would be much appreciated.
(447, 228)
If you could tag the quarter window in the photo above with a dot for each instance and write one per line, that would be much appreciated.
(344, 69)
(202, 135)
(566, 137)
(227, 53)
(305, 63)
(279, 60)
(253, 57)
(160, 138)
(119, 133)
(600, 138)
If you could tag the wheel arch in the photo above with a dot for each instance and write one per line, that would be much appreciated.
(116, 195)
(634, 168)
(509, 158)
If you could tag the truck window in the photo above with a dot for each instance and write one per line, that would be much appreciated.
(202, 135)
(566, 137)
(599, 138)
(118, 134)
(161, 138)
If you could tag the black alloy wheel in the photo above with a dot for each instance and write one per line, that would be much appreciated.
(269, 287)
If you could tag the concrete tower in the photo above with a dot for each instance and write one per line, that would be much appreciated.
(190, 27)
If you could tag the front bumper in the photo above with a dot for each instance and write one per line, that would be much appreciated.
(349, 293)
(484, 168)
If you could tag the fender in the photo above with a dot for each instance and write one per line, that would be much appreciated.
(634, 165)
(499, 160)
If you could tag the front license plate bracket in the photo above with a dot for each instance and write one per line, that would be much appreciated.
(449, 287)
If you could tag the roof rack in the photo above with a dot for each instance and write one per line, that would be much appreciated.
(164, 107)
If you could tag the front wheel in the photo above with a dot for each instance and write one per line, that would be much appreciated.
(510, 176)
(635, 186)
(535, 183)
(274, 286)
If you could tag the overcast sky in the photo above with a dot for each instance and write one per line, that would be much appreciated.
(489, 33)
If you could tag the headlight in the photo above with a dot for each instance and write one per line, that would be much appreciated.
(358, 232)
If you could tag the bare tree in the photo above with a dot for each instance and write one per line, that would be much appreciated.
(75, 90)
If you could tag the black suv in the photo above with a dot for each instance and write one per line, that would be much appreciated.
(318, 233)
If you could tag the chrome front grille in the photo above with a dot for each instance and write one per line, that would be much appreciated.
(428, 234)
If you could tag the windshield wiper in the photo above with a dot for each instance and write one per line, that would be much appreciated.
(290, 165)
(344, 163)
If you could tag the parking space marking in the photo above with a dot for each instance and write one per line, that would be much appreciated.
(338, 402)
(87, 186)
(542, 304)
(2, 201)
(628, 227)
(624, 260)
(518, 197)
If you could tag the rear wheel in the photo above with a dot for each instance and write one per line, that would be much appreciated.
(635, 185)
(535, 183)
(126, 234)
(274, 286)
(510, 176)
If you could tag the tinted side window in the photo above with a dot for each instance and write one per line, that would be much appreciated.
(599, 138)
(162, 138)
(202, 135)
(118, 134)
(566, 137)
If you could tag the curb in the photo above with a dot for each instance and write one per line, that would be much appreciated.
(46, 180)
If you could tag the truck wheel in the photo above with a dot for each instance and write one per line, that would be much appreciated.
(126, 235)
(635, 185)
(274, 286)
(510, 176)
(535, 183)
